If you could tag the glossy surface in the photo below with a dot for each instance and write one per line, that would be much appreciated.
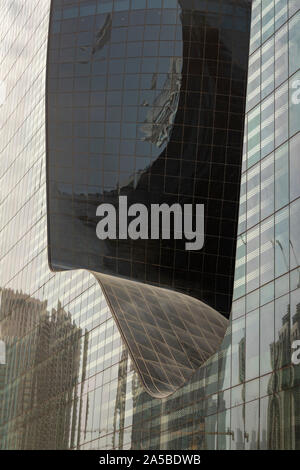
(147, 103)
(169, 335)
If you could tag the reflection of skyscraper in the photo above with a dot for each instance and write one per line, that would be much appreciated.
(119, 416)
(283, 430)
(43, 353)
(242, 361)
(295, 412)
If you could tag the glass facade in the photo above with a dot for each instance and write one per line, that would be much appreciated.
(146, 100)
(63, 350)
(147, 103)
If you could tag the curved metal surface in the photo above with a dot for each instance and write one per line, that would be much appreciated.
(168, 334)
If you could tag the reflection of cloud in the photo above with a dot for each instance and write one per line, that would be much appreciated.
(47, 343)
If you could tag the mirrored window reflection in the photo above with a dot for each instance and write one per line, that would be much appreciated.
(282, 285)
(238, 427)
(266, 338)
(295, 166)
(294, 44)
(255, 26)
(277, 428)
(267, 187)
(280, 14)
(237, 395)
(252, 425)
(253, 196)
(281, 55)
(266, 293)
(252, 301)
(294, 235)
(281, 115)
(294, 104)
(118, 104)
(238, 308)
(293, 6)
(281, 176)
(254, 81)
(243, 198)
(113, 407)
(267, 19)
(211, 426)
(252, 390)
(2, 353)
(240, 276)
(267, 129)
(267, 71)
(254, 118)
(224, 436)
(252, 345)
(224, 370)
(252, 267)
(295, 306)
(267, 249)
(264, 431)
(282, 261)
(238, 352)
(282, 345)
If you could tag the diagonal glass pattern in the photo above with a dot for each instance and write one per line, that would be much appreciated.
(168, 334)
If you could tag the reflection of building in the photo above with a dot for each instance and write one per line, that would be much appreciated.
(38, 382)
(295, 411)
(242, 361)
(2, 352)
(283, 430)
(119, 415)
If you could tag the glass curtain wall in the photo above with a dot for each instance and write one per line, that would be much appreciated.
(247, 396)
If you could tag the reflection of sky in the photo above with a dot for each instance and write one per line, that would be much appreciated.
(135, 65)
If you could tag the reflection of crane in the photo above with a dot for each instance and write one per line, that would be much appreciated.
(103, 35)
(285, 258)
(296, 258)
(102, 38)
(277, 242)
(242, 237)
